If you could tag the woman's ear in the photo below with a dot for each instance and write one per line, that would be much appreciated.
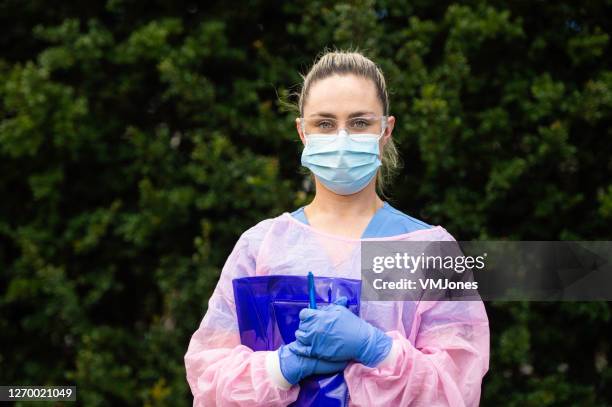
(388, 130)
(298, 126)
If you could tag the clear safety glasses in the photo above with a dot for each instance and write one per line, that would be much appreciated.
(364, 129)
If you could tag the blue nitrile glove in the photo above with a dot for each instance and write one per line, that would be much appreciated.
(334, 333)
(296, 367)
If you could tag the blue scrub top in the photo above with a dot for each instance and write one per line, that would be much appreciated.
(387, 221)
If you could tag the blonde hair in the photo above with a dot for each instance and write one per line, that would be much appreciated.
(346, 62)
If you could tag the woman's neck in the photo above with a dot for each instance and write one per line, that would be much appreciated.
(362, 204)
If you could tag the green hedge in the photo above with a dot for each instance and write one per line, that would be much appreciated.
(139, 139)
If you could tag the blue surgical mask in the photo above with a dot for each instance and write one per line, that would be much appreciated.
(344, 164)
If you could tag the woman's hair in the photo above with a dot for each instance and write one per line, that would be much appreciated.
(345, 62)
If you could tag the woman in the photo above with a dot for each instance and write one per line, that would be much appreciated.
(395, 353)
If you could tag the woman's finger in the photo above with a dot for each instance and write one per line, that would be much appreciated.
(304, 337)
(308, 313)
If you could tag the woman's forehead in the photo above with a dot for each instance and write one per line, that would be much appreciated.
(342, 95)
(340, 112)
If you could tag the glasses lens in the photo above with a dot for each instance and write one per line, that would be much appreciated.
(321, 126)
(364, 125)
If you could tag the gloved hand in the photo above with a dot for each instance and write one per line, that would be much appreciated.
(296, 367)
(334, 333)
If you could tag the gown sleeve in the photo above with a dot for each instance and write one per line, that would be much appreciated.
(220, 370)
(442, 365)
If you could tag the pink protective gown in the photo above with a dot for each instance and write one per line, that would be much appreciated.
(440, 349)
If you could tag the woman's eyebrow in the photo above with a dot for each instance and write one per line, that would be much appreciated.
(332, 115)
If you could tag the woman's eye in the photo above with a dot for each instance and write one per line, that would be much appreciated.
(326, 125)
(361, 123)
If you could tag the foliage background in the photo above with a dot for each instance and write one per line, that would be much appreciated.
(139, 139)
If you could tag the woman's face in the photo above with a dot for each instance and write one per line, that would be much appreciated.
(343, 97)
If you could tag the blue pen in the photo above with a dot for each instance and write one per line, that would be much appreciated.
(311, 291)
